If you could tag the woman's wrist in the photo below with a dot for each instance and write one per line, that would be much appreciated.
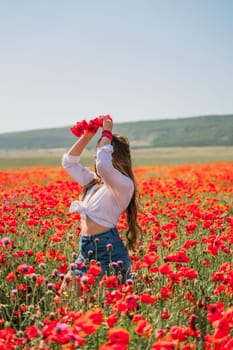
(107, 128)
(107, 133)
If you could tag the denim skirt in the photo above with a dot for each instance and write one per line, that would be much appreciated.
(108, 249)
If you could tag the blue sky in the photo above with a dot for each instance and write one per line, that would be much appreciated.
(66, 60)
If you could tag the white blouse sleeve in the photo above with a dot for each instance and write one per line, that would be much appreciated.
(79, 173)
(121, 186)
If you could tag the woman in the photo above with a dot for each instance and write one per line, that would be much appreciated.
(107, 192)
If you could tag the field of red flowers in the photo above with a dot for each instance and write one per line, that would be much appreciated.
(181, 292)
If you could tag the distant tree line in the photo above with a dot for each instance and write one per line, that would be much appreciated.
(213, 130)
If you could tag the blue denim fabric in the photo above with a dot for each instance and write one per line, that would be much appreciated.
(95, 247)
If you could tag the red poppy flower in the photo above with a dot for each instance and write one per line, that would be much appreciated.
(39, 280)
(179, 256)
(40, 257)
(112, 319)
(25, 269)
(165, 315)
(92, 126)
(94, 269)
(118, 335)
(215, 311)
(165, 343)
(150, 259)
(179, 332)
(95, 315)
(22, 286)
(191, 346)
(2, 259)
(109, 281)
(79, 128)
(165, 269)
(222, 328)
(148, 299)
(11, 277)
(143, 327)
(111, 346)
(31, 332)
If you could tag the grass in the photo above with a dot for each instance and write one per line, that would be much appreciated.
(140, 157)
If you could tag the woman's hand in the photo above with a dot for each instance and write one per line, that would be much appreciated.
(88, 135)
(107, 123)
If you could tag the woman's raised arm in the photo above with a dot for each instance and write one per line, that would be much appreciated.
(70, 161)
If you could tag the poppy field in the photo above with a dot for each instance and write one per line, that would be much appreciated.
(180, 295)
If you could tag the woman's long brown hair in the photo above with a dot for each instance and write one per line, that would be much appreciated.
(121, 160)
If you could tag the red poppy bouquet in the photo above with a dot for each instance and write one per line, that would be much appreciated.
(91, 126)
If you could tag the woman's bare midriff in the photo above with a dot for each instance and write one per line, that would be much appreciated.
(89, 227)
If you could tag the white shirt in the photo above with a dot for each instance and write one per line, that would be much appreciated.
(106, 204)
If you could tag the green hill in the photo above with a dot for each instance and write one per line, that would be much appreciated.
(213, 130)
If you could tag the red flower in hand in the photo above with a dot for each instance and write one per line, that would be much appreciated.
(92, 126)
(101, 119)
(79, 128)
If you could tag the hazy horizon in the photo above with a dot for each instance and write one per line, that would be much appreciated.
(61, 62)
(122, 122)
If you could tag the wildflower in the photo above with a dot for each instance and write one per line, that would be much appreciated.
(39, 280)
(94, 268)
(92, 126)
(165, 269)
(96, 315)
(5, 241)
(129, 281)
(113, 264)
(179, 332)
(2, 258)
(40, 257)
(63, 268)
(61, 327)
(131, 302)
(150, 259)
(189, 296)
(143, 327)
(159, 333)
(191, 346)
(32, 332)
(72, 266)
(112, 319)
(118, 335)
(148, 299)
(50, 286)
(87, 325)
(22, 287)
(109, 247)
(84, 279)
(219, 289)
(179, 257)
(165, 343)
(14, 292)
(222, 328)
(165, 315)
(215, 311)
(54, 272)
(11, 277)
